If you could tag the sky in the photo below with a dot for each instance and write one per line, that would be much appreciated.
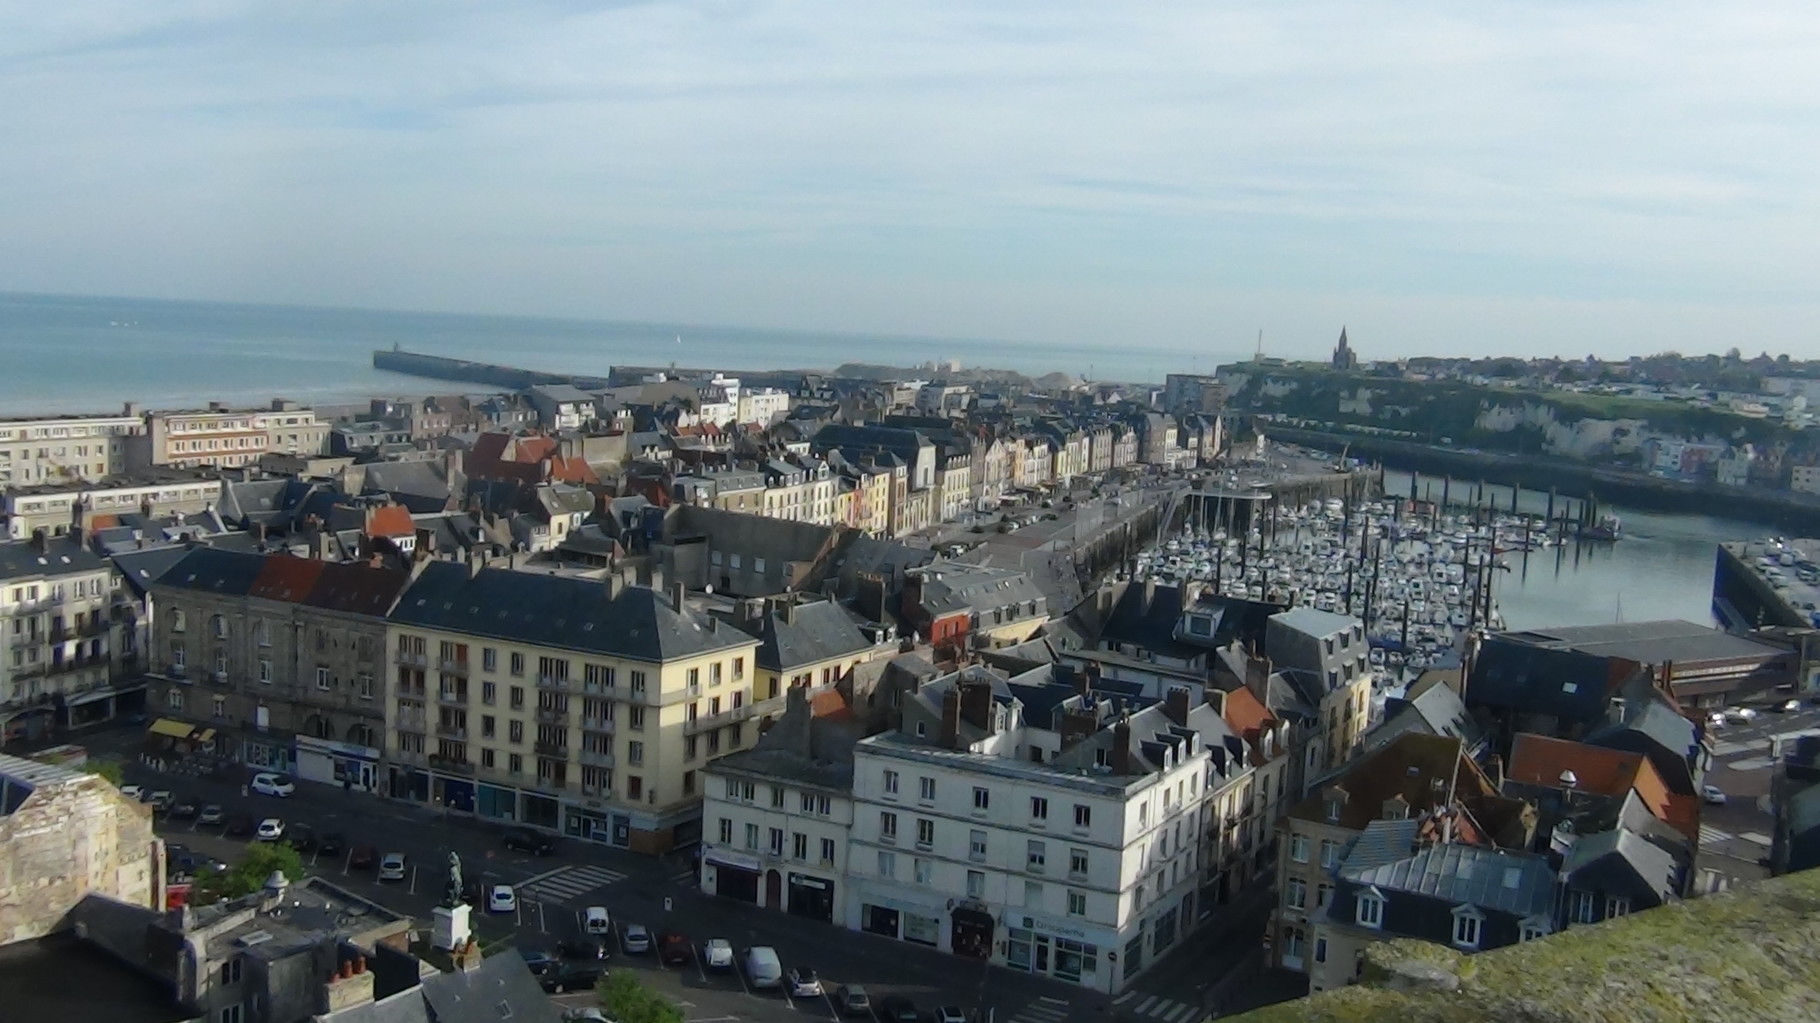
(1442, 178)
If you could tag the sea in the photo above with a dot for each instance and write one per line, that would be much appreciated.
(65, 354)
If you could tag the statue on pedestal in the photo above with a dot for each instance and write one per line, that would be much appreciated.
(452, 895)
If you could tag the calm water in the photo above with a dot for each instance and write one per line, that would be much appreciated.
(66, 354)
(1663, 568)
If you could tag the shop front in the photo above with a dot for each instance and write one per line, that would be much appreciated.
(337, 763)
(592, 824)
(495, 802)
(970, 931)
(732, 875)
(454, 794)
(811, 897)
(1064, 952)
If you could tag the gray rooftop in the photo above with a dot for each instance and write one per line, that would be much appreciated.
(60, 556)
(1514, 883)
(1313, 622)
(1682, 642)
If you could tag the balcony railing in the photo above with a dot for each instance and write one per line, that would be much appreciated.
(725, 717)
(452, 697)
(456, 732)
(450, 764)
(592, 758)
(555, 750)
(554, 684)
(551, 716)
(601, 725)
(411, 722)
(410, 659)
(454, 667)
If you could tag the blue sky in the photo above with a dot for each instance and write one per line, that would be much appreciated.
(1443, 178)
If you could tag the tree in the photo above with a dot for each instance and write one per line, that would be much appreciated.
(627, 1000)
(106, 769)
(251, 873)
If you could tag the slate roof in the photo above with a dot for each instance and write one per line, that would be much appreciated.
(1406, 768)
(1314, 622)
(560, 611)
(951, 586)
(817, 631)
(61, 556)
(214, 571)
(417, 478)
(1515, 883)
(1657, 642)
(1520, 677)
(1435, 710)
(141, 569)
(474, 996)
(1651, 726)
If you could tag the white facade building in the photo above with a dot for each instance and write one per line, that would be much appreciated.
(1071, 845)
(776, 818)
(65, 449)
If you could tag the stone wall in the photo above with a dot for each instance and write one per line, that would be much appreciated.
(71, 838)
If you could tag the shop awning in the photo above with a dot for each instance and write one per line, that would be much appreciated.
(171, 727)
(208, 735)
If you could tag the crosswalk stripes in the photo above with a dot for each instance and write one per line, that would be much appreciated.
(684, 877)
(1040, 1012)
(1710, 834)
(570, 882)
(1165, 1009)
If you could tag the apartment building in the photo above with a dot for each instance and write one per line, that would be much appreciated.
(1324, 657)
(227, 437)
(777, 817)
(65, 449)
(1414, 775)
(281, 659)
(583, 705)
(64, 639)
(56, 507)
(1037, 827)
(806, 643)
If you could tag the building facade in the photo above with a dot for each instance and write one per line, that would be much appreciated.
(66, 632)
(63, 450)
(580, 705)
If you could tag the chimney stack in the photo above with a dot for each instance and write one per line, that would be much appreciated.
(951, 718)
(677, 592)
(976, 703)
(1121, 747)
(1175, 704)
(613, 583)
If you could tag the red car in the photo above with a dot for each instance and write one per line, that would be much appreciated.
(674, 950)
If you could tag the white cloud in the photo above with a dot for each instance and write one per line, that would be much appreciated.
(1030, 170)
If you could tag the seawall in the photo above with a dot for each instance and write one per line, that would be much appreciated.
(439, 367)
(1796, 513)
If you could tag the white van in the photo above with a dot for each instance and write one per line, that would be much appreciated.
(595, 920)
(762, 968)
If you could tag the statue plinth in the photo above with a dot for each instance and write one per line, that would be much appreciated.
(451, 927)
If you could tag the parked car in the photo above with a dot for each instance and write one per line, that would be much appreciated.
(582, 947)
(950, 1014)
(537, 960)
(674, 950)
(898, 1009)
(717, 954)
(763, 968)
(161, 800)
(211, 814)
(363, 857)
(392, 867)
(239, 825)
(502, 898)
(584, 1014)
(331, 843)
(133, 792)
(852, 1000)
(270, 830)
(571, 975)
(525, 840)
(1741, 714)
(184, 809)
(594, 920)
(636, 940)
(267, 783)
(804, 983)
(1712, 795)
(302, 838)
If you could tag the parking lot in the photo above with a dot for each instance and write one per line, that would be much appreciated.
(1736, 836)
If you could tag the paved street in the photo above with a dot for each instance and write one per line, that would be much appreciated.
(661, 894)
(1735, 836)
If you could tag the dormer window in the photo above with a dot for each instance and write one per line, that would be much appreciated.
(1533, 928)
(1468, 922)
(1371, 909)
(1333, 811)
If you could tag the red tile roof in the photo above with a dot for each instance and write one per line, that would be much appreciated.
(1539, 760)
(286, 578)
(393, 520)
(832, 705)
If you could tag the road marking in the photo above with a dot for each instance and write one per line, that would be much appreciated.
(565, 883)
(1710, 835)
(413, 880)
(1757, 837)
(543, 918)
(1049, 998)
(1180, 1012)
(1126, 997)
(1146, 1004)
(699, 968)
(347, 862)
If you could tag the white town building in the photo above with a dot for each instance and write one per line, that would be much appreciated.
(1037, 825)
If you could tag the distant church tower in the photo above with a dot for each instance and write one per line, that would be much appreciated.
(1343, 357)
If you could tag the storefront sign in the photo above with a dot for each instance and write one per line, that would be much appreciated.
(738, 861)
(809, 882)
(340, 749)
